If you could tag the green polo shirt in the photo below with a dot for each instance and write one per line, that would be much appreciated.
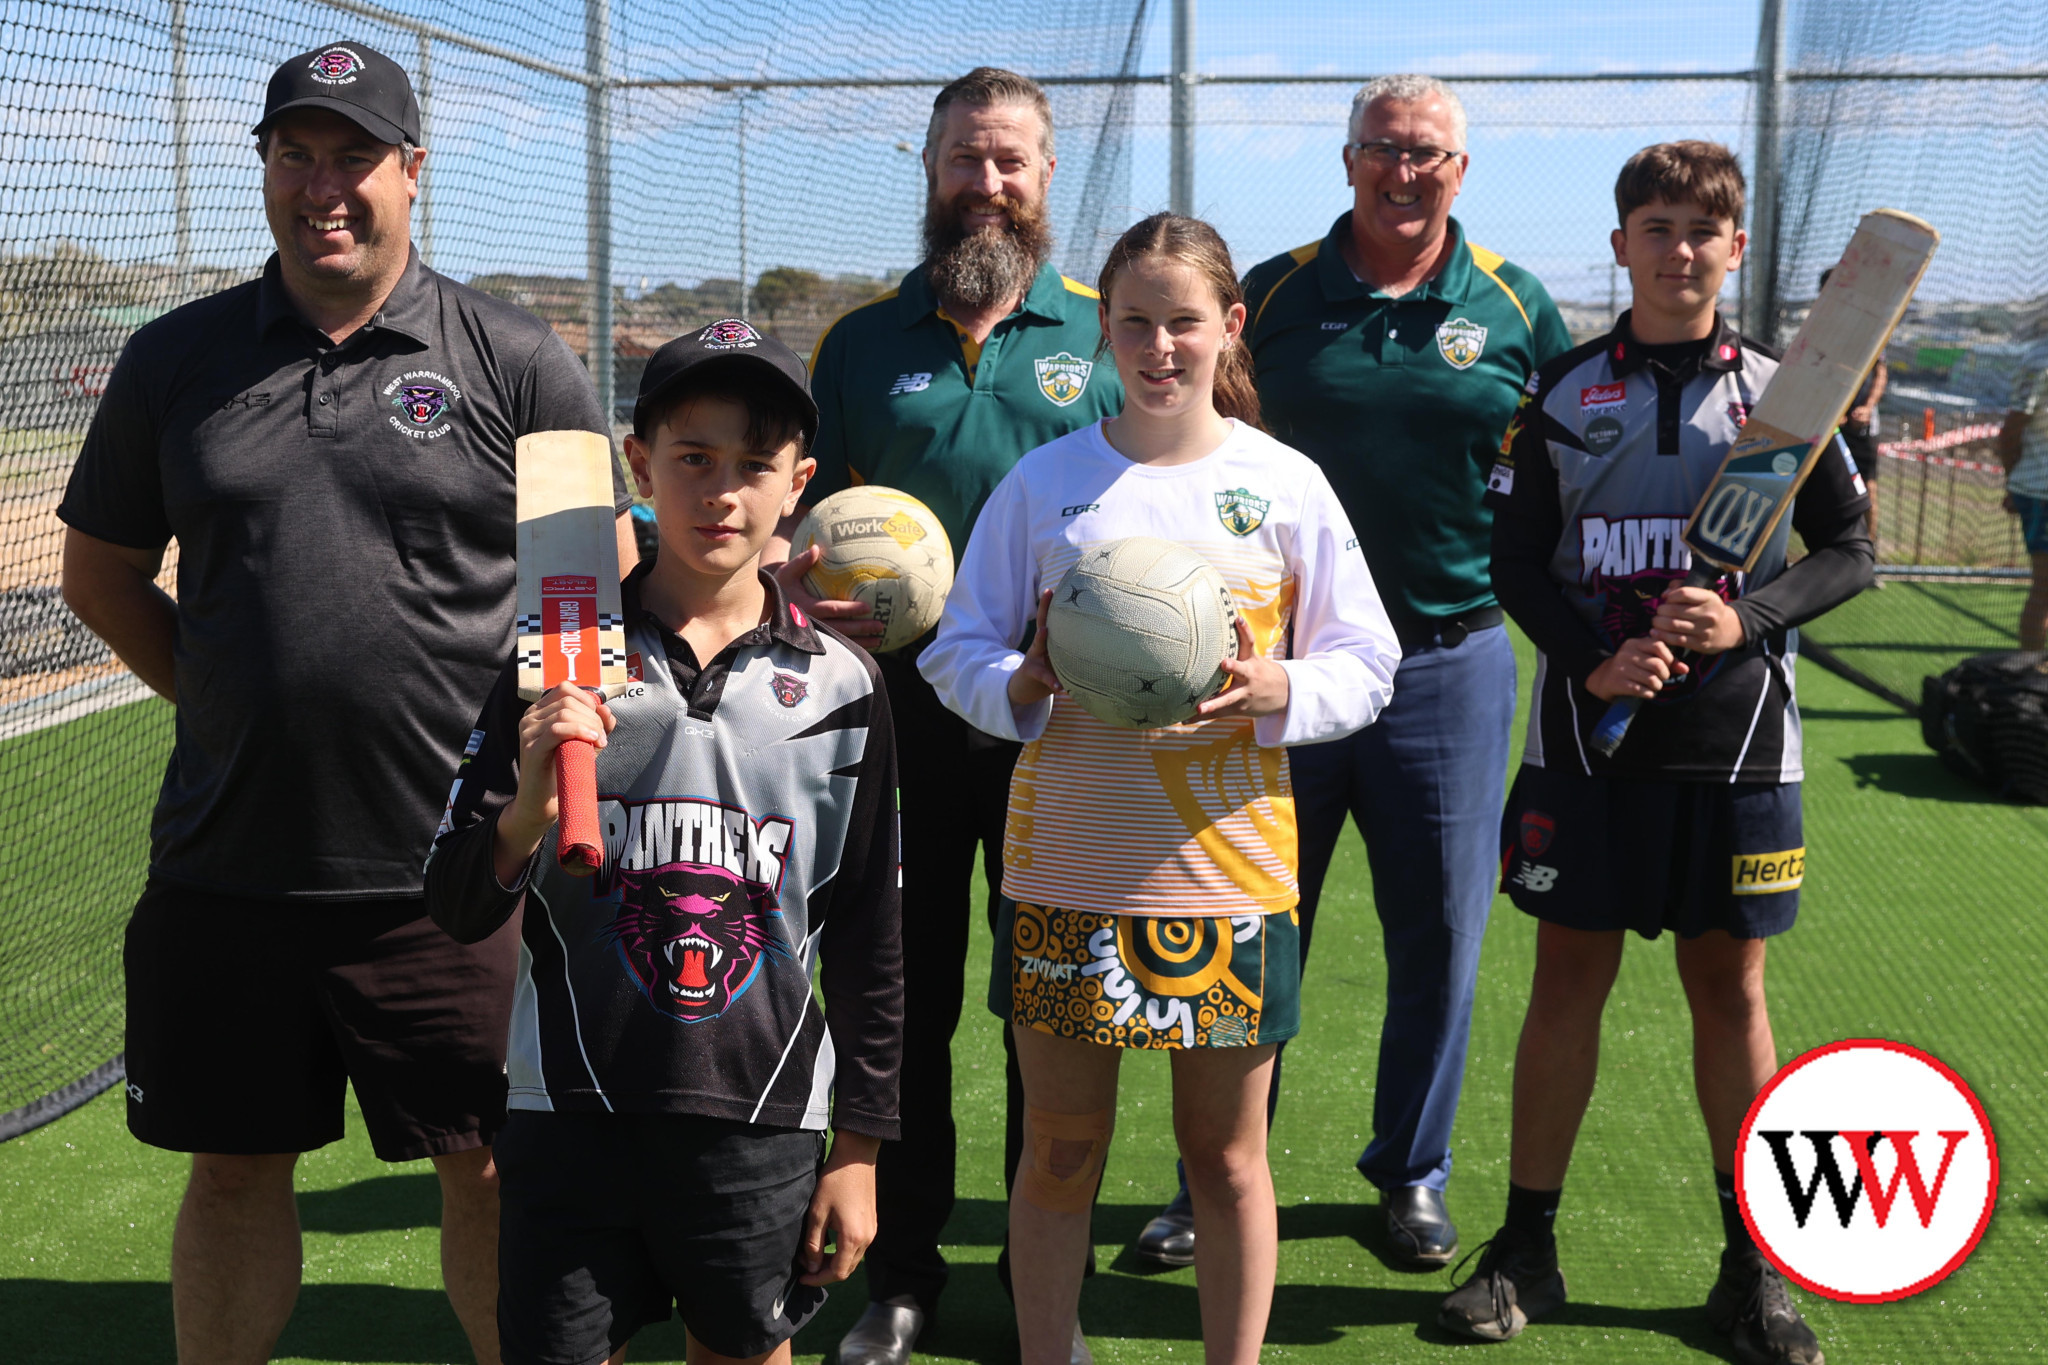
(1403, 402)
(906, 400)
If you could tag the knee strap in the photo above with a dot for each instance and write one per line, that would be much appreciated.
(1073, 1193)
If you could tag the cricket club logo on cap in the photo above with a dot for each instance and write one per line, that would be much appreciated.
(336, 66)
(729, 334)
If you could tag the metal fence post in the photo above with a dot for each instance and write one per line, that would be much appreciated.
(1181, 190)
(746, 286)
(597, 106)
(426, 94)
(1768, 213)
(181, 154)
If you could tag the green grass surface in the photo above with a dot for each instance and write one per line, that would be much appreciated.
(1922, 921)
(1914, 629)
(70, 869)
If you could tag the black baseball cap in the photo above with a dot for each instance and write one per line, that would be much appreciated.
(729, 341)
(359, 83)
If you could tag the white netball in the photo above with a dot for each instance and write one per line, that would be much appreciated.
(884, 548)
(1137, 631)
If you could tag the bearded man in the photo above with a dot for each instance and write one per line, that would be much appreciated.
(937, 388)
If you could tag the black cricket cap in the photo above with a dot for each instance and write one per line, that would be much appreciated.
(729, 341)
(359, 83)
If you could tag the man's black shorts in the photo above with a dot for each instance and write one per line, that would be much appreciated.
(607, 1219)
(1862, 444)
(247, 1019)
(1600, 853)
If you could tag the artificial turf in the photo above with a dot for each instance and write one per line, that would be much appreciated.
(1922, 920)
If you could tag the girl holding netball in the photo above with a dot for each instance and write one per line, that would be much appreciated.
(1150, 874)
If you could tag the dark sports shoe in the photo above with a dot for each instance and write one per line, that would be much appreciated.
(1750, 1305)
(1516, 1282)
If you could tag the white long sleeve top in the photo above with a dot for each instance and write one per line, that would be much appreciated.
(1193, 819)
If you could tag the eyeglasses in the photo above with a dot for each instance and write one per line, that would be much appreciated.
(1387, 155)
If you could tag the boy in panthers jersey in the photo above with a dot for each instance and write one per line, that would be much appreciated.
(671, 1074)
(1694, 824)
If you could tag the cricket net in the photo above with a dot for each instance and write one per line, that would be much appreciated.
(759, 158)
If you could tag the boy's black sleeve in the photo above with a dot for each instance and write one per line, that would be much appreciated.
(463, 894)
(1528, 521)
(1831, 516)
(862, 943)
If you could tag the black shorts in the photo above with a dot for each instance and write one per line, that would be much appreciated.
(248, 1019)
(1600, 853)
(606, 1219)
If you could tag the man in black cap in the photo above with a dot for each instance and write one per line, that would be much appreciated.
(331, 446)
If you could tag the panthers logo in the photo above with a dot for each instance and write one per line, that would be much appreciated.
(336, 66)
(695, 936)
(728, 334)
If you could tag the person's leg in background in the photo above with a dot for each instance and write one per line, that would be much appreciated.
(914, 1176)
(1430, 781)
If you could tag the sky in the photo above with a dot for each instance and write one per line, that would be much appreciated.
(705, 180)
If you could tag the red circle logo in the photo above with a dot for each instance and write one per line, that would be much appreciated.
(1866, 1170)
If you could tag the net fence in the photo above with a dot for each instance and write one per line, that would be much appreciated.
(130, 185)
(1893, 97)
(762, 157)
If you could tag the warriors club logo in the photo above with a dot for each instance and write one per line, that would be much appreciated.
(1460, 342)
(1866, 1171)
(1063, 378)
(729, 334)
(1240, 512)
(336, 66)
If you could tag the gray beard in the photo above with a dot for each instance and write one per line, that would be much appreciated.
(983, 269)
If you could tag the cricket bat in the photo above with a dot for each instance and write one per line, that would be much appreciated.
(571, 627)
(1794, 422)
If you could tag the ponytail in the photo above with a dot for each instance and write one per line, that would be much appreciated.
(1192, 242)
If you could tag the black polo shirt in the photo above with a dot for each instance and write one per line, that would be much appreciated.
(344, 516)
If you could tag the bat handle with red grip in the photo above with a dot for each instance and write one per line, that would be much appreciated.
(579, 846)
(1621, 713)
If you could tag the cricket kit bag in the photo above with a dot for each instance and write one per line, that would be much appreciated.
(1988, 719)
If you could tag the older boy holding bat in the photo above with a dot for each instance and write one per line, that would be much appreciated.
(671, 1075)
(1693, 823)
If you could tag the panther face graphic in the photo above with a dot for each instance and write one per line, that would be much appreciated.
(694, 936)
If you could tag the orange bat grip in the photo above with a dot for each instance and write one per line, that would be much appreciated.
(580, 844)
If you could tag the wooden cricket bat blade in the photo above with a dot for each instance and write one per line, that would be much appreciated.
(571, 626)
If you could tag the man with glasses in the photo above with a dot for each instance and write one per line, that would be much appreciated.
(1393, 352)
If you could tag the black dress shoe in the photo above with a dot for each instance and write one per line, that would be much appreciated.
(883, 1335)
(1169, 1239)
(1419, 1227)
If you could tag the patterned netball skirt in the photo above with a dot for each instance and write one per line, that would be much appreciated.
(1148, 981)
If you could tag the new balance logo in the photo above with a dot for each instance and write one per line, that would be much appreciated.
(911, 383)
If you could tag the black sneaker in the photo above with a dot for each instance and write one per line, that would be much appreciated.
(1750, 1305)
(1516, 1282)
